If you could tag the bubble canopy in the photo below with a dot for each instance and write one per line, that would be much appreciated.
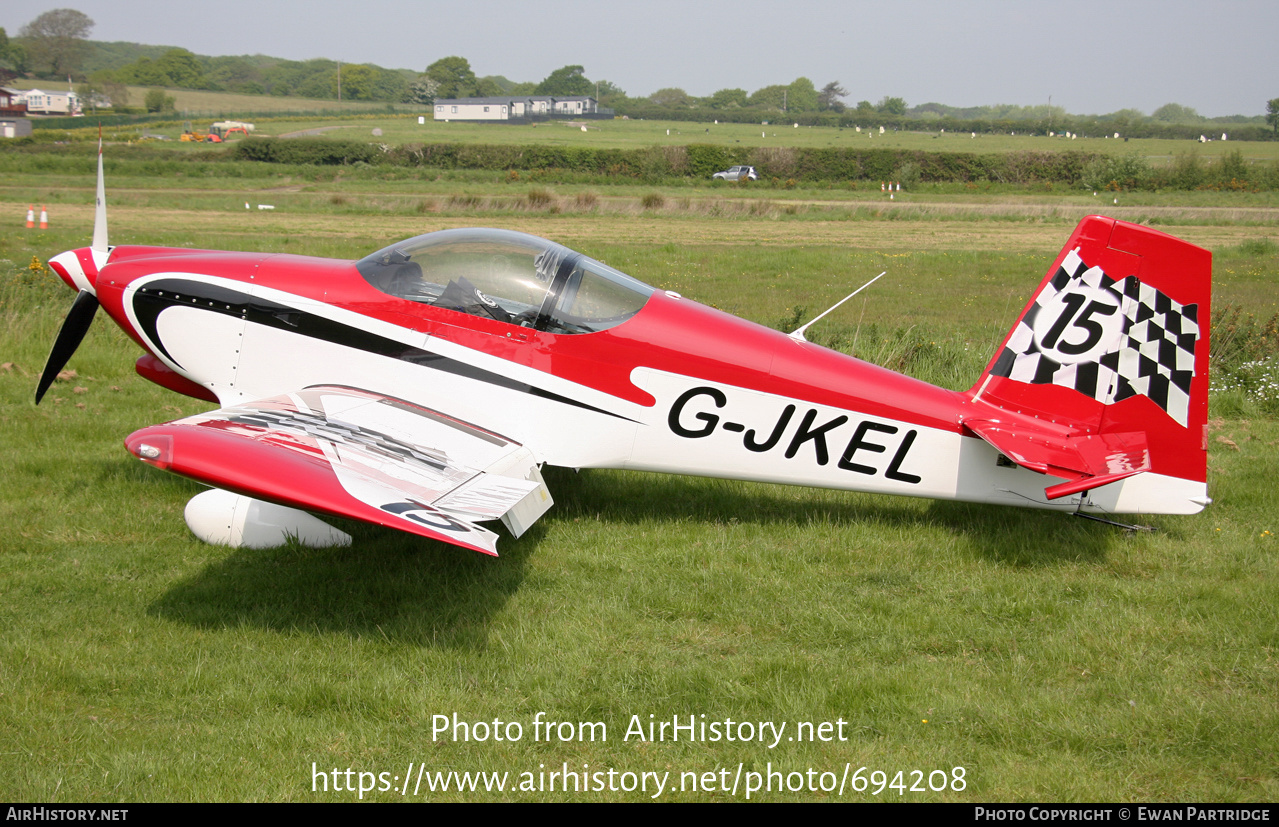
(512, 277)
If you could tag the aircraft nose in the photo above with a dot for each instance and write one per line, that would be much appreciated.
(78, 268)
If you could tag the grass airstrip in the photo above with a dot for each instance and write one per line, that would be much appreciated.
(994, 654)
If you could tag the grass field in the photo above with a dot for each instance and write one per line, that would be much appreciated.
(272, 118)
(650, 133)
(275, 113)
(1001, 654)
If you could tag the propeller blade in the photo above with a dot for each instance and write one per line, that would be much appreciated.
(69, 338)
(100, 210)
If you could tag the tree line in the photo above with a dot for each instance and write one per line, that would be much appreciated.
(55, 45)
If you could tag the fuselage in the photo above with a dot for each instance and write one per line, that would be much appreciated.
(677, 387)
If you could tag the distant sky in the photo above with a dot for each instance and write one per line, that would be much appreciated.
(1090, 56)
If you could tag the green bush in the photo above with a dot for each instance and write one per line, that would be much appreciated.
(319, 152)
(704, 160)
(1187, 171)
(1123, 172)
(157, 101)
(907, 174)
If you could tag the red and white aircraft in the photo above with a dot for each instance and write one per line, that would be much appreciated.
(424, 386)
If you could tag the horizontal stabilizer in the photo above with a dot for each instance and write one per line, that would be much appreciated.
(1086, 461)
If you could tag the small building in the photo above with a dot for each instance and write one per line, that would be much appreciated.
(519, 109)
(14, 127)
(40, 102)
(12, 103)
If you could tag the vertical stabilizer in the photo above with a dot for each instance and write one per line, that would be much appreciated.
(1111, 356)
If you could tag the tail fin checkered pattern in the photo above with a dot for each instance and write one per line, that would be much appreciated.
(1149, 352)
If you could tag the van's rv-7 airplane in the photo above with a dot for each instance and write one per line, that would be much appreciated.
(424, 386)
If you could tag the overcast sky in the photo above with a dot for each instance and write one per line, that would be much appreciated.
(1090, 56)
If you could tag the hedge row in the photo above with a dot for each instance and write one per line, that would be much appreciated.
(802, 164)
(1187, 172)
(817, 165)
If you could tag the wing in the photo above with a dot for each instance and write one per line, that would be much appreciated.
(358, 454)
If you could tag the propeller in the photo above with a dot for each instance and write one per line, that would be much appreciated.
(69, 338)
(77, 323)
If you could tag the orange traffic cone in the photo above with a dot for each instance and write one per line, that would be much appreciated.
(31, 217)
(44, 218)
